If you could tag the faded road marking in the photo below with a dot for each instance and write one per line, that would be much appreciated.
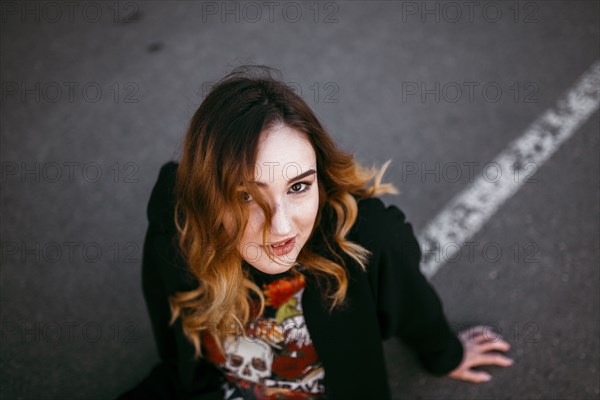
(469, 210)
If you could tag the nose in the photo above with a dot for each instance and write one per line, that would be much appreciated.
(281, 224)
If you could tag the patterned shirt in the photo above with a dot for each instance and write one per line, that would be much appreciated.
(276, 359)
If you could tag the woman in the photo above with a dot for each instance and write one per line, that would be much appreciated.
(272, 271)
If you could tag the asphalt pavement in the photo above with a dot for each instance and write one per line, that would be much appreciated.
(96, 96)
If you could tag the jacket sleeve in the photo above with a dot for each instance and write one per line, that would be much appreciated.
(408, 306)
(164, 273)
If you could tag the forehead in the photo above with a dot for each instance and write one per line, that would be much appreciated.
(285, 149)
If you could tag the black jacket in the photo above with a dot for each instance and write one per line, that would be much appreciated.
(392, 298)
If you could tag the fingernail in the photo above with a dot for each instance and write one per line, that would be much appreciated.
(487, 378)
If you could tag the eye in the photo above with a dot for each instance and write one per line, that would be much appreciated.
(298, 188)
(246, 197)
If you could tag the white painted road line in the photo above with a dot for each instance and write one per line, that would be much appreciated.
(466, 213)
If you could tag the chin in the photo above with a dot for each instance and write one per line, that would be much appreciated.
(269, 267)
(274, 269)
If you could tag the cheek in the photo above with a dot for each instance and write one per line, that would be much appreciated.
(253, 231)
(307, 211)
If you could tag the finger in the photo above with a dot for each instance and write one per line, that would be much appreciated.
(475, 376)
(488, 337)
(489, 346)
(491, 359)
(481, 334)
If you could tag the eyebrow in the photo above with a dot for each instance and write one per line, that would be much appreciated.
(302, 175)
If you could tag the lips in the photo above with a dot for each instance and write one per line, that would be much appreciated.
(275, 244)
(283, 247)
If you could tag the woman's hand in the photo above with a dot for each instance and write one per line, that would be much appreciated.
(477, 343)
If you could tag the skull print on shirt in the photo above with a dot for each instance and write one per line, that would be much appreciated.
(276, 358)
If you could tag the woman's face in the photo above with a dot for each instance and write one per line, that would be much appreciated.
(286, 173)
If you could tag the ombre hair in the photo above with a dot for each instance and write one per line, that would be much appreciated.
(219, 154)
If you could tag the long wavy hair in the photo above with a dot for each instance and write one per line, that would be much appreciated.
(219, 153)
